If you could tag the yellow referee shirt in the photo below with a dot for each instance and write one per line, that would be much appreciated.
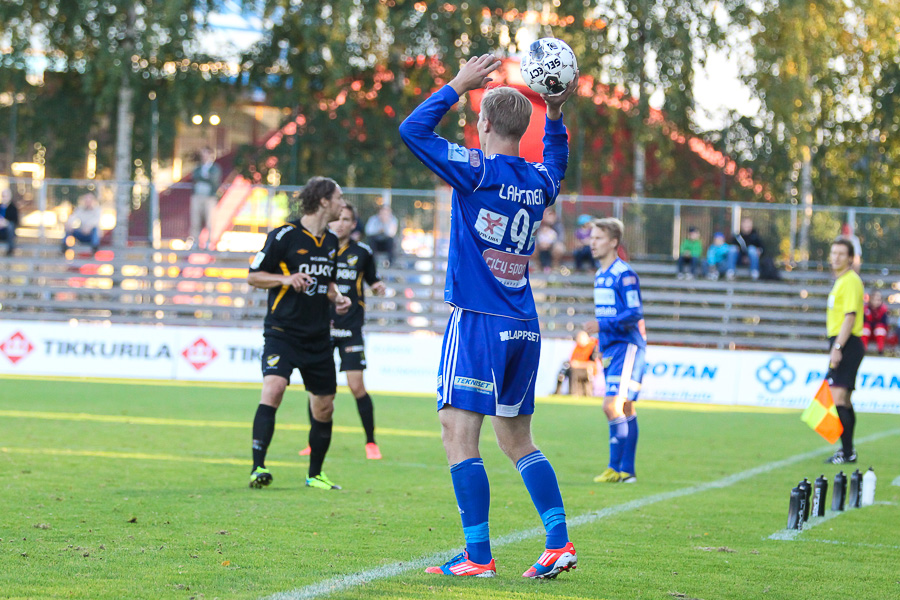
(846, 297)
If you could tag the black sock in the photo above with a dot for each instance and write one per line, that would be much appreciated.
(367, 416)
(319, 440)
(848, 420)
(263, 428)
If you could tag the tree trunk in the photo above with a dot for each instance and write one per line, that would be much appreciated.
(643, 109)
(124, 125)
(124, 129)
(640, 168)
(806, 200)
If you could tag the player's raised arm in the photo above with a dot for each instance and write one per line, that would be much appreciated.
(475, 73)
(460, 167)
(556, 138)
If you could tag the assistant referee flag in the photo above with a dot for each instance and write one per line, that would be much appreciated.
(822, 415)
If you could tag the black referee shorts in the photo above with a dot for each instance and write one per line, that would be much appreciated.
(349, 343)
(313, 357)
(844, 375)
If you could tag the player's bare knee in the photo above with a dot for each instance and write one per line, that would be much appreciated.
(357, 389)
(273, 391)
(516, 451)
(613, 407)
(322, 408)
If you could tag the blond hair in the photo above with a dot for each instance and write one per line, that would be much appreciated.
(508, 110)
(613, 227)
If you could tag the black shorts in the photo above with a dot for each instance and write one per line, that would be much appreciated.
(313, 357)
(349, 343)
(844, 375)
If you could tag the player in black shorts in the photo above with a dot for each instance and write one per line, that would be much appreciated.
(355, 266)
(298, 266)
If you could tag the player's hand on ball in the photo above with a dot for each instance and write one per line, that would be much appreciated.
(298, 281)
(474, 74)
(378, 288)
(555, 102)
(342, 305)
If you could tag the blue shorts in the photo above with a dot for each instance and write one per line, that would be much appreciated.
(489, 364)
(623, 369)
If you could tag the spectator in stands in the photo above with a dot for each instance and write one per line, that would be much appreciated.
(690, 256)
(848, 234)
(83, 224)
(579, 369)
(207, 178)
(875, 323)
(582, 252)
(358, 232)
(9, 220)
(381, 229)
(549, 239)
(545, 239)
(746, 245)
(717, 256)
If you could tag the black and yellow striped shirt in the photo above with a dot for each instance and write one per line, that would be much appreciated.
(290, 249)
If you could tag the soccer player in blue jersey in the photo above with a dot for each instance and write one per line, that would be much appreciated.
(619, 326)
(492, 343)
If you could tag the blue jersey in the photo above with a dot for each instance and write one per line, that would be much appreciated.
(618, 306)
(498, 203)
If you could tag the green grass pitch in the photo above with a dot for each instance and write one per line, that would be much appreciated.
(139, 490)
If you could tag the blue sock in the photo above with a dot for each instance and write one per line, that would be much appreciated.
(630, 446)
(618, 433)
(540, 480)
(473, 497)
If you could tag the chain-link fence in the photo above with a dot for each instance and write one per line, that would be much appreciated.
(654, 228)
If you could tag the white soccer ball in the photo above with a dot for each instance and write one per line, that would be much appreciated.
(549, 66)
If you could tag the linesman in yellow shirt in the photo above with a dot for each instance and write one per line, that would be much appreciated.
(844, 324)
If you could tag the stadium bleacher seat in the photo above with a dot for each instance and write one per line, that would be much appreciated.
(143, 285)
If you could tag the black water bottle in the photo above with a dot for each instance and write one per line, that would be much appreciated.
(806, 488)
(838, 496)
(820, 494)
(795, 516)
(854, 496)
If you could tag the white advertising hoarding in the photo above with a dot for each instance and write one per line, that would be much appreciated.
(86, 351)
(790, 380)
(409, 363)
(690, 375)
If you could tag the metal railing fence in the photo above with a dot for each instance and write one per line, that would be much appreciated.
(654, 226)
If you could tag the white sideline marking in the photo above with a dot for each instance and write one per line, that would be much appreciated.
(896, 481)
(789, 535)
(860, 544)
(343, 582)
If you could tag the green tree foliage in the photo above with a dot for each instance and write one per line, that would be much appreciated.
(828, 76)
(84, 50)
(352, 70)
